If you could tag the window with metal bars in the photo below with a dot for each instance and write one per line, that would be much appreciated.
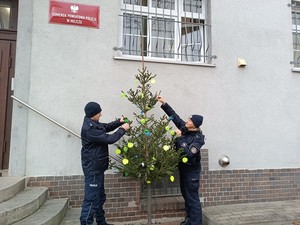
(169, 29)
(162, 188)
(296, 32)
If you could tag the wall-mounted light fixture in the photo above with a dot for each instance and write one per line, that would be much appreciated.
(224, 161)
(241, 62)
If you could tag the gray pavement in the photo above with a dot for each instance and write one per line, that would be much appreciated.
(264, 213)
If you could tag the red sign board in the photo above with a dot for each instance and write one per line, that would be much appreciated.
(74, 14)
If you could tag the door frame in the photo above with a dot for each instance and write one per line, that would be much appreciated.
(9, 36)
(10, 41)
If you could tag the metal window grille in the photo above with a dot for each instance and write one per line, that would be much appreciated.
(163, 188)
(296, 32)
(171, 29)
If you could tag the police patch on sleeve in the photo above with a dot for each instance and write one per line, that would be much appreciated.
(194, 150)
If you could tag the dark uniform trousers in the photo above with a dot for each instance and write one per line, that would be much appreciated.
(94, 198)
(189, 186)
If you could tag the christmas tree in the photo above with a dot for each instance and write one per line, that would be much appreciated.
(148, 151)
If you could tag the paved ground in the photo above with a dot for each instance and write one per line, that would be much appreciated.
(72, 218)
(267, 213)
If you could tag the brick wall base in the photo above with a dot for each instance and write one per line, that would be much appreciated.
(124, 201)
(222, 187)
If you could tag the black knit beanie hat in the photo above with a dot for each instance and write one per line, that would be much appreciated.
(91, 109)
(197, 120)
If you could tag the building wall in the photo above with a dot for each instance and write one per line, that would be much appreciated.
(253, 110)
(250, 114)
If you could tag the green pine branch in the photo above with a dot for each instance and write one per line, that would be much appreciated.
(148, 151)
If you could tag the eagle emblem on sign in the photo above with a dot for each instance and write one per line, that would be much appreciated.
(74, 8)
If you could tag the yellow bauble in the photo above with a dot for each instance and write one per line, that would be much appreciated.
(118, 151)
(125, 161)
(152, 167)
(172, 178)
(166, 147)
(130, 144)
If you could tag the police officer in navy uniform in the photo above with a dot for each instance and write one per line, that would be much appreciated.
(190, 139)
(95, 159)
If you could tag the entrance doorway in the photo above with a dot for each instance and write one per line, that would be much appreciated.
(8, 38)
(7, 54)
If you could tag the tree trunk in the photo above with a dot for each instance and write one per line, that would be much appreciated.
(149, 204)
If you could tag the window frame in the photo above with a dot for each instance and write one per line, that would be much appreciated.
(203, 58)
(295, 10)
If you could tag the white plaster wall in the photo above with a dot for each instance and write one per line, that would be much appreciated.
(253, 117)
(17, 163)
(250, 114)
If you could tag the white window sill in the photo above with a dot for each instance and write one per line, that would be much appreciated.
(167, 61)
(296, 69)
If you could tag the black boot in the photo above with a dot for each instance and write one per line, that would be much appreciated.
(186, 221)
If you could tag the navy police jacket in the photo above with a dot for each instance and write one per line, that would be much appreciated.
(190, 141)
(95, 140)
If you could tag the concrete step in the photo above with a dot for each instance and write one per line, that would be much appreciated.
(51, 212)
(22, 205)
(72, 217)
(3, 173)
(10, 186)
